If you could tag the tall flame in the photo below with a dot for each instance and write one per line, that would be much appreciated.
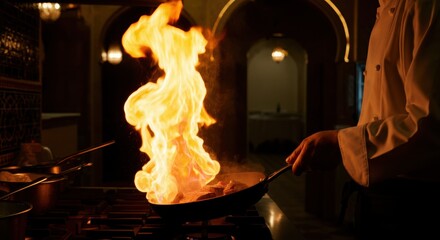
(168, 113)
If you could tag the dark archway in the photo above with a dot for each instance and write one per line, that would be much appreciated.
(299, 20)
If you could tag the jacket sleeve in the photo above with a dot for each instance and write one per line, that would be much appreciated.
(404, 144)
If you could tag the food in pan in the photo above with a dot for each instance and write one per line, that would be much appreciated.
(234, 186)
(212, 190)
(6, 176)
(195, 196)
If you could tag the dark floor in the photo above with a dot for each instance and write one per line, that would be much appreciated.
(288, 192)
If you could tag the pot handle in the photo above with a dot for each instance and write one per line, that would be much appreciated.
(87, 150)
(73, 169)
(37, 181)
(277, 173)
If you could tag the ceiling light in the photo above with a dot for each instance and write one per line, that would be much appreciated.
(278, 54)
(114, 54)
(49, 11)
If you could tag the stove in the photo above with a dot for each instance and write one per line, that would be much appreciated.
(123, 213)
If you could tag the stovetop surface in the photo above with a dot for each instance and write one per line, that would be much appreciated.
(124, 213)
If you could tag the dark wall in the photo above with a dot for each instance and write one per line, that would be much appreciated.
(66, 69)
(366, 18)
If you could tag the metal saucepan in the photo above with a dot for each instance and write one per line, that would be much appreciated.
(42, 191)
(57, 166)
(223, 205)
(13, 219)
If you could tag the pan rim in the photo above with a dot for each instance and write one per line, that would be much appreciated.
(261, 181)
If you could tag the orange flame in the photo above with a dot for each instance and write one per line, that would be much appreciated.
(168, 113)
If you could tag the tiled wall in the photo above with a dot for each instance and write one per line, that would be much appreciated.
(20, 85)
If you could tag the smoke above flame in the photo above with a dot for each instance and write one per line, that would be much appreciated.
(168, 113)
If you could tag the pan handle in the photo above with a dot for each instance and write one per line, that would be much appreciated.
(90, 149)
(73, 169)
(277, 173)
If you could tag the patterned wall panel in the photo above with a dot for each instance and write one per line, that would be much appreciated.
(20, 118)
(19, 35)
(20, 87)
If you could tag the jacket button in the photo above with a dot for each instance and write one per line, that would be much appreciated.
(392, 10)
(377, 67)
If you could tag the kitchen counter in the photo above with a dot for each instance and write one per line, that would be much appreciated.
(51, 120)
(280, 226)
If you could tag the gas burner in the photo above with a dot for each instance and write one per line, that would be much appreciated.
(209, 236)
(123, 213)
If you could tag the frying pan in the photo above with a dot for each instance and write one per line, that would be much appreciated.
(220, 206)
(13, 219)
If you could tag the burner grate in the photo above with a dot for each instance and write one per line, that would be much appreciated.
(103, 213)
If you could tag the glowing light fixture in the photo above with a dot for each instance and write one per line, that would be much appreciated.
(278, 54)
(113, 55)
(49, 11)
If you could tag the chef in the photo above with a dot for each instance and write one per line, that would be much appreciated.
(393, 154)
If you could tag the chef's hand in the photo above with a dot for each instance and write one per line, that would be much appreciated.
(319, 151)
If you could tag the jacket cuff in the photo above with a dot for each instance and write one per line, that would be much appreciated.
(354, 153)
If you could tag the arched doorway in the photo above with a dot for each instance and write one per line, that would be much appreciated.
(301, 21)
(276, 99)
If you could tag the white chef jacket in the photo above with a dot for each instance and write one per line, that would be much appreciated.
(401, 91)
